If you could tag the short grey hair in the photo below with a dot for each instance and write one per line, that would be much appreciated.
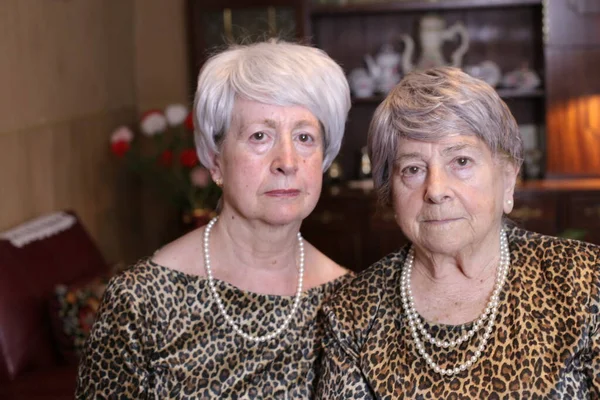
(272, 72)
(431, 104)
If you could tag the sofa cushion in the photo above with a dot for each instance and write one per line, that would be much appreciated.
(34, 257)
(72, 312)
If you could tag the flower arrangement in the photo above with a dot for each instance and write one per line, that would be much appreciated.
(164, 154)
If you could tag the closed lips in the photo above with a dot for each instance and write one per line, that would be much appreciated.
(283, 192)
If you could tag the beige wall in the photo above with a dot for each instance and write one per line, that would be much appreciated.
(70, 72)
(161, 78)
(160, 53)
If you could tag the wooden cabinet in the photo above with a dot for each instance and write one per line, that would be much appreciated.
(560, 207)
(348, 227)
(536, 211)
(507, 32)
(583, 212)
(573, 23)
(338, 223)
(573, 88)
(214, 23)
(357, 234)
(558, 39)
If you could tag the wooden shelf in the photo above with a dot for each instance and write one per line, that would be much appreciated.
(561, 185)
(520, 94)
(504, 93)
(413, 5)
(367, 100)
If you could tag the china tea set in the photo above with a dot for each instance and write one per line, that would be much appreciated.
(385, 70)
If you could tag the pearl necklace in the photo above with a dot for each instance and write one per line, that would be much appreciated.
(416, 324)
(230, 321)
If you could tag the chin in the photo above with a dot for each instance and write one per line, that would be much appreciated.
(442, 243)
(284, 217)
(443, 248)
(281, 221)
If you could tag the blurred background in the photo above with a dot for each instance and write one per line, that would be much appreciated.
(73, 71)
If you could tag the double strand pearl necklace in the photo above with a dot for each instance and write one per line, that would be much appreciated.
(416, 324)
(230, 321)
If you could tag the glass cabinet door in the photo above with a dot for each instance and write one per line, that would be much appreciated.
(215, 23)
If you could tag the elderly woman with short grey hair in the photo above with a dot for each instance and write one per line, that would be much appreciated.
(472, 307)
(229, 310)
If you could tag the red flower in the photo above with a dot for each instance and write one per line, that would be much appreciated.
(120, 147)
(188, 158)
(189, 122)
(166, 158)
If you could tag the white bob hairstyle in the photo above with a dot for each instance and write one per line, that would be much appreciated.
(272, 72)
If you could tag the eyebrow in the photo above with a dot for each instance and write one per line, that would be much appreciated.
(268, 122)
(271, 123)
(457, 148)
(304, 122)
(407, 156)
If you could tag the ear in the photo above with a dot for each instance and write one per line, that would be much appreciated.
(511, 171)
(216, 172)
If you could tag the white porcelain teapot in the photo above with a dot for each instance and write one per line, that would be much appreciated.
(385, 68)
(361, 83)
(432, 35)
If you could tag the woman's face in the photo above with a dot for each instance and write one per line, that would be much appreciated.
(271, 162)
(449, 195)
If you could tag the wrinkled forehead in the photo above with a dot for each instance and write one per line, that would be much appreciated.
(449, 142)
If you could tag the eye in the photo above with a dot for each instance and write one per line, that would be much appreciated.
(411, 170)
(463, 161)
(304, 137)
(258, 136)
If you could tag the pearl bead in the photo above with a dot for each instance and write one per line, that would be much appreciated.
(217, 298)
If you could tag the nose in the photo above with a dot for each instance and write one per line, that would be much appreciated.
(285, 159)
(437, 188)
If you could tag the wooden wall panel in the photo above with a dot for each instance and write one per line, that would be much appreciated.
(161, 53)
(67, 79)
(69, 166)
(70, 73)
(14, 203)
(63, 59)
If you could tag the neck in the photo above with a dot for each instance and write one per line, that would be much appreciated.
(471, 263)
(254, 256)
(454, 288)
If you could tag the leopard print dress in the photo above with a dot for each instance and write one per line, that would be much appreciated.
(159, 335)
(545, 343)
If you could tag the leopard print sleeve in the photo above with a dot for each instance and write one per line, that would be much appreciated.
(349, 317)
(113, 363)
(592, 364)
(341, 377)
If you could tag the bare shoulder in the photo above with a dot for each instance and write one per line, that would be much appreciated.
(183, 254)
(321, 269)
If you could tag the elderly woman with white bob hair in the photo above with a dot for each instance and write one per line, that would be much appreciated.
(472, 307)
(229, 310)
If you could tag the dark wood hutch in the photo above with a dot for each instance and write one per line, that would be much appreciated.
(558, 39)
